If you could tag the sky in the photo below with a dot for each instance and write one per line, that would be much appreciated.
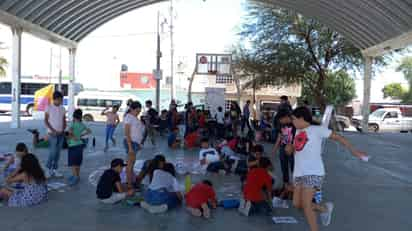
(200, 26)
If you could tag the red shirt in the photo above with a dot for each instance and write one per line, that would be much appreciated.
(200, 194)
(232, 144)
(257, 179)
(202, 121)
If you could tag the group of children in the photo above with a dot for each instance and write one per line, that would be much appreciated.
(299, 144)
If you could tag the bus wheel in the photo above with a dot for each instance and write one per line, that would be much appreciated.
(88, 118)
(29, 109)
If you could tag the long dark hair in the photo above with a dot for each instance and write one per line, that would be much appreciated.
(154, 165)
(31, 166)
(170, 168)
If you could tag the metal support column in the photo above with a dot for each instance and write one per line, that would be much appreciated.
(72, 74)
(366, 92)
(16, 75)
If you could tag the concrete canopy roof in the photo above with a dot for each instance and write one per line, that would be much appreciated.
(374, 26)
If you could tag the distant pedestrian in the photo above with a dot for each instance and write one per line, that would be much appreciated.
(246, 116)
(111, 124)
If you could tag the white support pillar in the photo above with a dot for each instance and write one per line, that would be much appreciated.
(72, 74)
(16, 75)
(366, 92)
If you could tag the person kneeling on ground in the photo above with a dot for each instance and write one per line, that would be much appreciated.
(199, 198)
(257, 192)
(163, 193)
(33, 181)
(210, 158)
(109, 188)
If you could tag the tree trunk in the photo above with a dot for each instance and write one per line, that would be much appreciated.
(319, 92)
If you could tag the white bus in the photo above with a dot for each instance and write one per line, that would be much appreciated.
(28, 89)
(93, 103)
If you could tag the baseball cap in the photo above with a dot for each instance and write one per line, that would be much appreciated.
(116, 162)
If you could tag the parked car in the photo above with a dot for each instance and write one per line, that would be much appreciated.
(385, 120)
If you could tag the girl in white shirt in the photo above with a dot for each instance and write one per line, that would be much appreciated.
(309, 170)
(133, 130)
(163, 192)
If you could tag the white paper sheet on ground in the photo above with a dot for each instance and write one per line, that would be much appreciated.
(284, 220)
(55, 186)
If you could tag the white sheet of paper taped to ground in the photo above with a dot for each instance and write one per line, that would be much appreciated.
(284, 220)
(55, 186)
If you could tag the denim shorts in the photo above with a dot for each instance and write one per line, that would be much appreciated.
(135, 146)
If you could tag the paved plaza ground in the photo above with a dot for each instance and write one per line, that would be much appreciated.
(371, 196)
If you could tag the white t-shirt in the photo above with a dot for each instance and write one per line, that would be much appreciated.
(56, 117)
(136, 128)
(210, 154)
(164, 180)
(309, 161)
(220, 117)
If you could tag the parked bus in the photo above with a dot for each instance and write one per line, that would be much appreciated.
(93, 103)
(28, 89)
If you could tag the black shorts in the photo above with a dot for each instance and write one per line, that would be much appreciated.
(75, 155)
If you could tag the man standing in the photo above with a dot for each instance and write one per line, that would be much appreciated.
(55, 121)
(246, 116)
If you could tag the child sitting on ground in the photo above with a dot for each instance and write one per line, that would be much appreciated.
(12, 166)
(257, 192)
(33, 181)
(149, 166)
(209, 158)
(43, 142)
(163, 192)
(198, 198)
(109, 188)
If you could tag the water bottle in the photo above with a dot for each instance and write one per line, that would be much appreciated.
(318, 197)
(188, 182)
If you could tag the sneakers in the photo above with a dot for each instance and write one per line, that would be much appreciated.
(154, 209)
(33, 131)
(206, 212)
(57, 174)
(326, 216)
(194, 212)
(49, 173)
(73, 180)
(244, 207)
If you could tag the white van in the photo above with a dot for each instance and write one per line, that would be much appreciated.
(93, 103)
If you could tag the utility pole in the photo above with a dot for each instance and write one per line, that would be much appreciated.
(158, 72)
(60, 70)
(172, 93)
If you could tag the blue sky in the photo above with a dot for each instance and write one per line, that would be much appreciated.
(200, 26)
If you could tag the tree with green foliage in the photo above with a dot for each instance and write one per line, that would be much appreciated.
(340, 89)
(394, 91)
(406, 68)
(283, 47)
(3, 63)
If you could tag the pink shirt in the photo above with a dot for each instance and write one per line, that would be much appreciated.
(111, 118)
(56, 117)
